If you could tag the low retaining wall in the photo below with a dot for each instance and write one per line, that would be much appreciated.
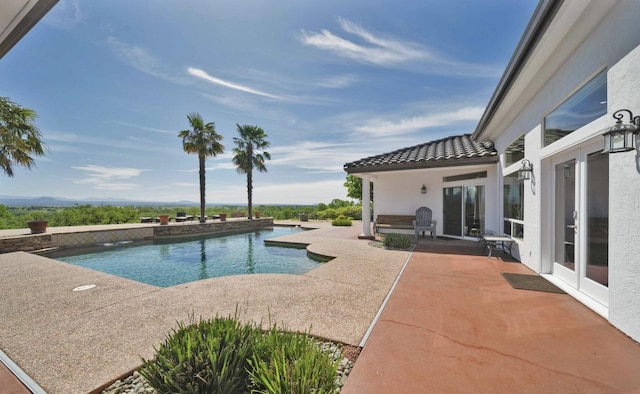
(30, 243)
(227, 227)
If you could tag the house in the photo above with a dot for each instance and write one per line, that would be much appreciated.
(574, 211)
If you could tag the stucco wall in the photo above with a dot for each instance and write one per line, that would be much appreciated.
(624, 205)
(614, 45)
(399, 193)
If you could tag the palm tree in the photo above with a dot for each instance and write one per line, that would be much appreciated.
(203, 140)
(249, 154)
(19, 136)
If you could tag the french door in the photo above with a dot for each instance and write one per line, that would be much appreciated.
(581, 221)
(463, 210)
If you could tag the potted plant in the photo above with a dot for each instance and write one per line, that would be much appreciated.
(223, 217)
(257, 214)
(38, 226)
(164, 219)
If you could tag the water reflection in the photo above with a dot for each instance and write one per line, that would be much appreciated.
(251, 264)
(203, 260)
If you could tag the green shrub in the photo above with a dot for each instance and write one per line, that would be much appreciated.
(224, 356)
(293, 363)
(341, 222)
(208, 357)
(397, 241)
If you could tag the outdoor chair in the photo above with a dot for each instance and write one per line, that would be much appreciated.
(183, 217)
(423, 222)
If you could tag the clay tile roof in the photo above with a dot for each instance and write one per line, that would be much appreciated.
(450, 151)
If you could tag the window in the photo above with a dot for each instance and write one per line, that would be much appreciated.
(513, 207)
(514, 152)
(584, 106)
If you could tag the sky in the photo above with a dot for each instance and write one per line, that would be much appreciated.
(330, 82)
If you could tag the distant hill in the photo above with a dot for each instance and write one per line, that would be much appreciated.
(14, 201)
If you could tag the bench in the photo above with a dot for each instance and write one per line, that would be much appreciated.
(393, 222)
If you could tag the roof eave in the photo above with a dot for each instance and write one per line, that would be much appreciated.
(423, 165)
(13, 34)
(538, 24)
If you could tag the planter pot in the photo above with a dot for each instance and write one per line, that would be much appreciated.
(257, 214)
(223, 217)
(164, 219)
(38, 226)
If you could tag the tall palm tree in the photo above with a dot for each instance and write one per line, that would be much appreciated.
(203, 140)
(249, 154)
(19, 136)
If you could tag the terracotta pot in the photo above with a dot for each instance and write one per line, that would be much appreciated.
(38, 226)
(164, 219)
(257, 214)
(223, 217)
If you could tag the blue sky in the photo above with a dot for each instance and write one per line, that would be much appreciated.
(329, 81)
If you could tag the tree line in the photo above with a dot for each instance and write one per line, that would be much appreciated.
(83, 215)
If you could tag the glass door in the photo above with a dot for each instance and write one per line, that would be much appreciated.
(566, 215)
(463, 210)
(581, 221)
(452, 204)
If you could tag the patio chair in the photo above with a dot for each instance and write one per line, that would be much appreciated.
(423, 222)
(183, 217)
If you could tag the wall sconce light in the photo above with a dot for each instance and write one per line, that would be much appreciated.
(621, 137)
(524, 173)
(423, 189)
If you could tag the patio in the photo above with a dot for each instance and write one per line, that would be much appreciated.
(452, 324)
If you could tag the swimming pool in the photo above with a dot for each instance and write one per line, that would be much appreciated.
(169, 263)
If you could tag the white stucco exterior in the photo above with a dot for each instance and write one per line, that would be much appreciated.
(399, 192)
(580, 40)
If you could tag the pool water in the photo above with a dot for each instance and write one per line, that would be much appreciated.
(169, 263)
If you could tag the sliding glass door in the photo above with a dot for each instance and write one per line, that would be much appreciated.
(463, 210)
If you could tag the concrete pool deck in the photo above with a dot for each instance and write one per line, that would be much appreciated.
(76, 341)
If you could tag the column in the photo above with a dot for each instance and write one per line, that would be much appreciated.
(366, 207)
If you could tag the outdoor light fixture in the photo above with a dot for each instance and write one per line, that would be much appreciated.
(423, 189)
(524, 173)
(621, 137)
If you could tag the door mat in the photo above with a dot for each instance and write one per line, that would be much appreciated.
(531, 282)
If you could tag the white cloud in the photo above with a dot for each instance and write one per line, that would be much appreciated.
(65, 15)
(381, 127)
(338, 81)
(198, 73)
(315, 157)
(147, 128)
(110, 172)
(101, 178)
(374, 50)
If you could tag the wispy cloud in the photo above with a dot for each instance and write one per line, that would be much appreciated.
(102, 178)
(313, 156)
(383, 127)
(369, 48)
(65, 15)
(142, 60)
(338, 81)
(373, 50)
(198, 73)
(147, 128)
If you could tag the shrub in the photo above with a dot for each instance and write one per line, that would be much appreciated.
(397, 241)
(287, 362)
(341, 222)
(224, 356)
(208, 357)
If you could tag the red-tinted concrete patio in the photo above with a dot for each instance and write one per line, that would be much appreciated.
(453, 324)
